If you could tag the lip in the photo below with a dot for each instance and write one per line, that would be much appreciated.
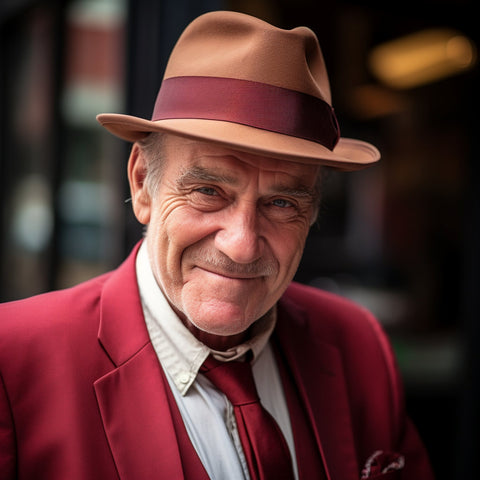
(229, 275)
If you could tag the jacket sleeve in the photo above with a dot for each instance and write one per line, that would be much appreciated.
(7, 437)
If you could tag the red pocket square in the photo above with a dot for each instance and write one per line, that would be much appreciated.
(382, 463)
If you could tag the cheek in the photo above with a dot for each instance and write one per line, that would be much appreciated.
(287, 248)
(174, 231)
(288, 242)
(289, 261)
(185, 227)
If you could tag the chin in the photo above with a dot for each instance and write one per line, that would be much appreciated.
(222, 321)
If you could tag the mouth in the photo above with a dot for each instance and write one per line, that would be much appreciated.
(231, 275)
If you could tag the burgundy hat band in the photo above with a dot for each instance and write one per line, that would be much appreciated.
(249, 103)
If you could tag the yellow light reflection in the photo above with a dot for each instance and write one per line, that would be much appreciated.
(422, 58)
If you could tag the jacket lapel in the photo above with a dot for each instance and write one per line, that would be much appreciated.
(318, 372)
(132, 398)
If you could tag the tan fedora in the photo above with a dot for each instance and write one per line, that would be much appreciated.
(237, 81)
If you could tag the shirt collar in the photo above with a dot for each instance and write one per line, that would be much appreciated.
(180, 353)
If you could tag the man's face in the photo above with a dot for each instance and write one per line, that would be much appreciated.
(226, 231)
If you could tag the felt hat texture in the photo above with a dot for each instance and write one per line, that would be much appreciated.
(239, 82)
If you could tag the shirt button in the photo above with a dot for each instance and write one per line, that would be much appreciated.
(184, 377)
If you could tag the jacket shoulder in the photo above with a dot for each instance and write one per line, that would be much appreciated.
(326, 308)
(50, 312)
(336, 320)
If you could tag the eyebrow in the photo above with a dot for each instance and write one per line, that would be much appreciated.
(198, 173)
(299, 191)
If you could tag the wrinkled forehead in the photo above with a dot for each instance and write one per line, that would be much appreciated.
(185, 153)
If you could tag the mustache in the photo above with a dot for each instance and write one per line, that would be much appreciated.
(221, 263)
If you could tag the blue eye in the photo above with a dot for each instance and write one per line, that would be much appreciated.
(281, 203)
(207, 191)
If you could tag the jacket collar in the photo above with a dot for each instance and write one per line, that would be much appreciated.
(122, 331)
(132, 398)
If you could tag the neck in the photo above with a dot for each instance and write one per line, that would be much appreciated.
(261, 327)
(218, 342)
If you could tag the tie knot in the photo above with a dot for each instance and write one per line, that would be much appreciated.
(234, 379)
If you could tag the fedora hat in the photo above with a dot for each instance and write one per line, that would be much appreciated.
(237, 81)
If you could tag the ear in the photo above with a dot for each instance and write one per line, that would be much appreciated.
(141, 200)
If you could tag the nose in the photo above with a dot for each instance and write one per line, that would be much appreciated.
(239, 237)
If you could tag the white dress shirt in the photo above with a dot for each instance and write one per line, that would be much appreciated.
(206, 412)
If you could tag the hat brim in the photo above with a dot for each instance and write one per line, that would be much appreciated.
(349, 154)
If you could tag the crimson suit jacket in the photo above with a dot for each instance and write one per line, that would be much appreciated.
(81, 395)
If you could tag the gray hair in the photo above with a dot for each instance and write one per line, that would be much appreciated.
(153, 151)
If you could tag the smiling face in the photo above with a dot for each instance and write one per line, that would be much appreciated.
(226, 231)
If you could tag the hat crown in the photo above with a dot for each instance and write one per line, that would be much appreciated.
(236, 45)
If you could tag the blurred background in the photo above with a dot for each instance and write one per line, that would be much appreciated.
(401, 238)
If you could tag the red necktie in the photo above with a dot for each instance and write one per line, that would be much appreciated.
(265, 448)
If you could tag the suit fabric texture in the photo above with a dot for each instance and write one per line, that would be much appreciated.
(83, 396)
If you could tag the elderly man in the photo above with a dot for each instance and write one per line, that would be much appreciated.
(155, 370)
